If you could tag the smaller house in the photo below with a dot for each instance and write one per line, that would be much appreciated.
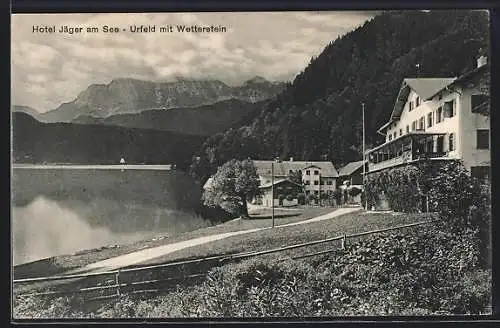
(353, 172)
(351, 176)
(285, 193)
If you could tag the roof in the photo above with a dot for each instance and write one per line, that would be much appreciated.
(283, 168)
(467, 76)
(276, 182)
(426, 88)
(350, 168)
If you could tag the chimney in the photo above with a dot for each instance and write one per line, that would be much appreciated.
(481, 61)
(291, 159)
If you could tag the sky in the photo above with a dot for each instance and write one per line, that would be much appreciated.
(52, 68)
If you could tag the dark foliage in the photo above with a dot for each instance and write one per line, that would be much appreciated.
(36, 142)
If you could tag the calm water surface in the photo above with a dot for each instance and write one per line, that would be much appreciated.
(62, 211)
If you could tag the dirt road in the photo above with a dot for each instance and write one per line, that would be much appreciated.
(154, 252)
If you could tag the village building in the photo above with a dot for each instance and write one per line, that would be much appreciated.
(285, 191)
(438, 119)
(353, 173)
(318, 177)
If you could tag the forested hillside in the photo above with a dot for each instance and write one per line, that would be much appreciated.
(319, 115)
(34, 142)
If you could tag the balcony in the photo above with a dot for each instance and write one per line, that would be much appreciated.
(406, 149)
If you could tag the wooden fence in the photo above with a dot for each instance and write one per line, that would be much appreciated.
(127, 280)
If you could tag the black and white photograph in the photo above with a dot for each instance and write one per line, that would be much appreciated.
(287, 164)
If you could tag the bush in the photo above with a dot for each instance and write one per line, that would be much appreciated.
(354, 191)
(336, 196)
(311, 197)
(425, 270)
(301, 198)
(401, 186)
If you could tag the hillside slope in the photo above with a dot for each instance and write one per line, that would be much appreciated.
(36, 142)
(319, 115)
(204, 120)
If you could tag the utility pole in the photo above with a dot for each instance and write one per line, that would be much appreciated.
(364, 164)
(272, 191)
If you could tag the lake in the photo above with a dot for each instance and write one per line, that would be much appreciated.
(57, 211)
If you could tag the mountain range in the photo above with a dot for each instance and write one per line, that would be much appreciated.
(132, 96)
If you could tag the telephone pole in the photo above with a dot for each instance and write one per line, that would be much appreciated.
(364, 164)
(272, 191)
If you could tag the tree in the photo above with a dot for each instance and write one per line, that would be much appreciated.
(232, 186)
(295, 177)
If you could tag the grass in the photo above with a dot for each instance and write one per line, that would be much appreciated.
(415, 271)
(260, 218)
(272, 238)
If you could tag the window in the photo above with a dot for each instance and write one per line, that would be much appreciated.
(440, 96)
(439, 115)
(316, 172)
(410, 106)
(413, 125)
(451, 142)
(483, 139)
(316, 182)
(440, 144)
(449, 109)
(308, 172)
(417, 102)
(394, 135)
(400, 132)
(329, 182)
(421, 123)
(429, 120)
(322, 182)
(480, 172)
(290, 172)
(316, 192)
(307, 182)
(390, 137)
(407, 129)
(478, 101)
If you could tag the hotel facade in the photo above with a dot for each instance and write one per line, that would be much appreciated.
(439, 119)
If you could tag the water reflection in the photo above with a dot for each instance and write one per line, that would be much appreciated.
(59, 212)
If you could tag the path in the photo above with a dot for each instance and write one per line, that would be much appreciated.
(154, 252)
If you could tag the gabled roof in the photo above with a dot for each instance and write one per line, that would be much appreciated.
(350, 168)
(425, 88)
(283, 168)
(276, 182)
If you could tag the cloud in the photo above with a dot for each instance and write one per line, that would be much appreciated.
(51, 68)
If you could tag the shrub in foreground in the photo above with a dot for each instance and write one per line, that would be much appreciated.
(415, 272)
